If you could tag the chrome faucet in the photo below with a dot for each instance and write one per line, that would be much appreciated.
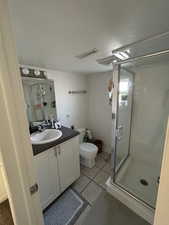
(41, 128)
(53, 123)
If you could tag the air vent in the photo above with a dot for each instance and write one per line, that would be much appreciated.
(86, 54)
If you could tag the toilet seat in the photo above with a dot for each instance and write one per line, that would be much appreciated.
(88, 150)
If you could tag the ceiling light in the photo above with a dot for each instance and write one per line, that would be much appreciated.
(128, 51)
(119, 56)
(122, 55)
(125, 55)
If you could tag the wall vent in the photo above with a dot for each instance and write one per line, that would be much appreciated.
(87, 53)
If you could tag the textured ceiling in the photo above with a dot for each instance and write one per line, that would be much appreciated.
(50, 33)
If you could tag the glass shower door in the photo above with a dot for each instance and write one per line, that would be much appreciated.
(142, 114)
(124, 111)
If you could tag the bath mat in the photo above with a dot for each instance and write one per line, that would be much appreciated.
(66, 209)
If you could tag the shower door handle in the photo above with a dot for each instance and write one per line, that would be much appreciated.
(119, 131)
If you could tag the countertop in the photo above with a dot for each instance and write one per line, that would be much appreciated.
(67, 133)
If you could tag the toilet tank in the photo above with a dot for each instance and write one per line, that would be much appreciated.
(82, 134)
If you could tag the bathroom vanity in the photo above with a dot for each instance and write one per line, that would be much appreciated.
(57, 165)
(56, 161)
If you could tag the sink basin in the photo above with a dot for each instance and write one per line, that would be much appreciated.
(45, 136)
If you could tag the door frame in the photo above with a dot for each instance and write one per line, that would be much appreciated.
(162, 205)
(15, 146)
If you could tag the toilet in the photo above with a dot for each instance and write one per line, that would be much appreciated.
(88, 151)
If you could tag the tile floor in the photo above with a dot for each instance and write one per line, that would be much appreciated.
(103, 209)
(92, 181)
(109, 211)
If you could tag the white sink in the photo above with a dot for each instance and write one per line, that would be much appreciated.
(45, 136)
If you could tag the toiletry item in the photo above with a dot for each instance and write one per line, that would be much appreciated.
(89, 134)
(59, 124)
(86, 137)
(45, 103)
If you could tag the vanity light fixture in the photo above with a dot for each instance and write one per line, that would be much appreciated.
(33, 73)
(25, 71)
(45, 73)
(37, 72)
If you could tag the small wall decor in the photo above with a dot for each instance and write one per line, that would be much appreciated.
(33, 73)
(110, 90)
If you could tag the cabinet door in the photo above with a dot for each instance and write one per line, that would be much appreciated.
(54, 173)
(69, 169)
(47, 176)
(76, 156)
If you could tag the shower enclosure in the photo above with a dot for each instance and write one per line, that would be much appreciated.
(140, 110)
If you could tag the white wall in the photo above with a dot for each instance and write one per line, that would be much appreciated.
(71, 108)
(99, 111)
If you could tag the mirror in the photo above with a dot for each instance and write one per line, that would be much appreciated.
(39, 98)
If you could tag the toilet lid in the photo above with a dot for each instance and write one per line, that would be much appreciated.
(88, 147)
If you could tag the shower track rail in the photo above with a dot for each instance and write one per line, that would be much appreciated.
(110, 59)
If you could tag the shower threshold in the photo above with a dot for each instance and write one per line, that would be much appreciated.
(136, 205)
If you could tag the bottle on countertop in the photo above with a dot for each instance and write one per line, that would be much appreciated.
(86, 136)
(72, 127)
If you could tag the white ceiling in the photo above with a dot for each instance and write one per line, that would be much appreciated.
(50, 33)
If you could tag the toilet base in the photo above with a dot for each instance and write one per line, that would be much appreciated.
(90, 163)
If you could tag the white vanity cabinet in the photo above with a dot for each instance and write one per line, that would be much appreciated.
(46, 166)
(57, 168)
